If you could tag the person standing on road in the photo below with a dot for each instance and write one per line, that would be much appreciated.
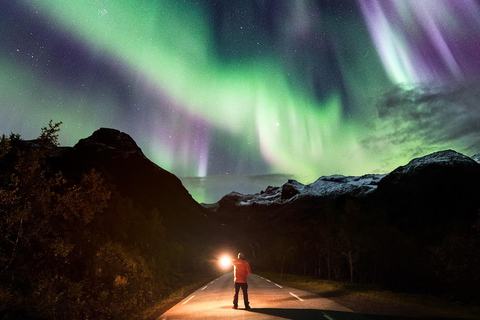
(241, 271)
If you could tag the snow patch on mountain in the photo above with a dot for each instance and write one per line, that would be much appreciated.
(328, 187)
(340, 185)
(476, 158)
(446, 158)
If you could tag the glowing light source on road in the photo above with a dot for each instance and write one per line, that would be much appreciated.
(225, 261)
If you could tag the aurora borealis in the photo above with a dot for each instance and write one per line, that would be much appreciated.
(246, 88)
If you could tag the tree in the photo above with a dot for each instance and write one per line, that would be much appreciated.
(49, 135)
(352, 232)
(42, 223)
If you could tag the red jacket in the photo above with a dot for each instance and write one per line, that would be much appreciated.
(241, 270)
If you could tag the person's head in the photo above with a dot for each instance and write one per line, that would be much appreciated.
(241, 256)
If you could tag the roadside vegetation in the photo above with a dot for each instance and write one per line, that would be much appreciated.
(177, 295)
(75, 248)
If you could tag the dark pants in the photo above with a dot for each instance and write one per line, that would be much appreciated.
(244, 287)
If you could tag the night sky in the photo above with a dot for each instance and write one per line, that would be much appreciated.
(248, 93)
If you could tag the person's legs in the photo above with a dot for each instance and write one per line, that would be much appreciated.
(235, 296)
(245, 295)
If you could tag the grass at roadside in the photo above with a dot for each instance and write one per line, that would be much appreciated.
(369, 299)
(175, 297)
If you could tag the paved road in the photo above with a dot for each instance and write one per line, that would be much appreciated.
(267, 299)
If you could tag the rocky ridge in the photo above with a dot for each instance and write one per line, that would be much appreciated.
(440, 189)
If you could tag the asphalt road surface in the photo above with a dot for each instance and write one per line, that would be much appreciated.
(268, 300)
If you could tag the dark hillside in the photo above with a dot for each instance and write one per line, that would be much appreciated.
(432, 195)
(117, 155)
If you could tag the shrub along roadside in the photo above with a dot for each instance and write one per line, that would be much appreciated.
(371, 299)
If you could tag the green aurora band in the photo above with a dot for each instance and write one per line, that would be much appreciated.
(168, 47)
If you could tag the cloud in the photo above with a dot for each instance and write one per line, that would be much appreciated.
(423, 119)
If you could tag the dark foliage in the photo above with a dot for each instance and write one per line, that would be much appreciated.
(78, 242)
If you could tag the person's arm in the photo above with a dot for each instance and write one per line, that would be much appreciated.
(248, 269)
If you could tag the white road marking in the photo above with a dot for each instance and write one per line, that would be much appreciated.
(278, 286)
(327, 316)
(268, 280)
(203, 288)
(293, 294)
(212, 281)
(186, 301)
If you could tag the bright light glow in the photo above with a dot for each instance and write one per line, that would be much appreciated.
(225, 262)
